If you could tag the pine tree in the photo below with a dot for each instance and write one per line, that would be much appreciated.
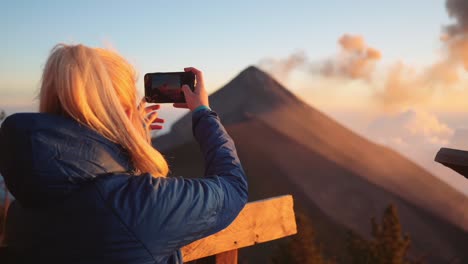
(387, 246)
(393, 245)
(302, 247)
(2, 115)
(361, 250)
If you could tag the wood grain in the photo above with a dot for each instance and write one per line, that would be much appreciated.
(258, 222)
(228, 257)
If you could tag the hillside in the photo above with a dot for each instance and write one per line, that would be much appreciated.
(339, 178)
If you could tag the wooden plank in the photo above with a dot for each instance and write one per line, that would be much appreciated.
(228, 257)
(258, 222)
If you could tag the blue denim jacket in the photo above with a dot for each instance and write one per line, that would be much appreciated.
(77, 200)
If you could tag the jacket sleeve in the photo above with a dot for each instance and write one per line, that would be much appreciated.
(173, 212)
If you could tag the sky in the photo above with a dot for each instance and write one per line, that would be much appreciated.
(219, 37)
(224, 37)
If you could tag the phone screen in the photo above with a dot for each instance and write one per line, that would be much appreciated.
(166, 82)
(166, 87)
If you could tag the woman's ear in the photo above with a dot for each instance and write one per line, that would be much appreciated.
(129, 113)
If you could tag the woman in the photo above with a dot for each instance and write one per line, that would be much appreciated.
(89, 186)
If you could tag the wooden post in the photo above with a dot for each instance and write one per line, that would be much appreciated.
(228, 257)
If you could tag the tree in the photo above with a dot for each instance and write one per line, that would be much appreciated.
(388, 244)
(2, 115)
(302, 247)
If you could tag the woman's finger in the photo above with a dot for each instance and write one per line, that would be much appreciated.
(151, 117)
(199, 75)
(186, 90)
(154, 107)
(156, 127)
(159, 120)
(192, 69)
(151, 108)
(152, 121)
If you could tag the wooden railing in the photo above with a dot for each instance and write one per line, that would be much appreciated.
(258, 222)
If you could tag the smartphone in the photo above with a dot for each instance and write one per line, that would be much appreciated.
(165, 87)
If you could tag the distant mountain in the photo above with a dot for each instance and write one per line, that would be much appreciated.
(338, 178)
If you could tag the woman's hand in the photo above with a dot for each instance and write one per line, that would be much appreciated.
(196, 98)
(151, 120)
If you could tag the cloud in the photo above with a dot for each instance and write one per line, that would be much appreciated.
(411, 128)
(460, 139)
(418, 135)
(355, 61)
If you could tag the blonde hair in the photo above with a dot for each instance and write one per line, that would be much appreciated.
(97, 87)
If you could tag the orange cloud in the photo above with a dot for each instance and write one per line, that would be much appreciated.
(356, 60)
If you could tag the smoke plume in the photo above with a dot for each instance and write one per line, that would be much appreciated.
(282, 68)
(356, 60)
(457, 9)
(456, 38)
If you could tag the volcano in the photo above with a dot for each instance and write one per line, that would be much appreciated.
(338, 178)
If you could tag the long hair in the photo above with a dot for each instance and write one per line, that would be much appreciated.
(97, 87)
